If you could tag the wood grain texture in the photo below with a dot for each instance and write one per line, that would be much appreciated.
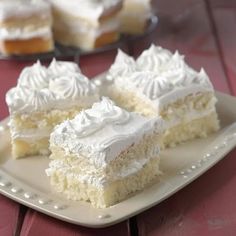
(9, 212)
(205, 207)
(224, 18)
(37, 224)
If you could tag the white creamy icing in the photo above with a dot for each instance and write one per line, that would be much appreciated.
(24, 99)
(91, 10)
(123, 65)
(35, 76)
(101, 114)
(72, 86)
(150, 84)
(103, 132)
(24, 33)
(24, 8)
(39, 89)
(191, 115)
(30, 135)
(58, 68)
(153, 58)
(158, 76)
(159, 91)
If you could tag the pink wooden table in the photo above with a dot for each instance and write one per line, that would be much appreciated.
(205, 32)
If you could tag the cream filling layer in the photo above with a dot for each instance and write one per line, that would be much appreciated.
(30, 135)
(24, 33)
(80, 27)
(190, 116)
(169, 97)
(99, 181)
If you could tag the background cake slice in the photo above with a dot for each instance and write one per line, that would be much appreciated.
(86, 24)
(163, 84)
(25, 27)
(104, 154)
(135, 15)
(41, 100)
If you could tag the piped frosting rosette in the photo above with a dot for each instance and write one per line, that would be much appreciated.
(101, 114)
(155, 73)
(40, 88)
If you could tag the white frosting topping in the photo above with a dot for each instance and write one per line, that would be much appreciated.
(103, 132)
(30, 135)
(40, 89)
(35, 77)
(24, 33)
(101, 114)
(88, 9)
(158, 76)
(57, 68)
(153, 58)
(124, 65)
(23, 8)
(27, 99)
(72, 86)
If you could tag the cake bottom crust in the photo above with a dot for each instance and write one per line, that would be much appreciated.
(110, 194)
(26, 46)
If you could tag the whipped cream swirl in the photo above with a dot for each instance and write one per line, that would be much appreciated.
(153, 58)
(72, 86)
(24, 98)
(158, 72)
(58, 68)
(39, 89)
(35, 77)
(150, 84)
(94, 119)
(124, 65)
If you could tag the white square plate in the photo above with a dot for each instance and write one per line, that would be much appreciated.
(25, 181)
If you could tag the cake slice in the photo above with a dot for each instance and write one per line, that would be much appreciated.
(43, 98)
(135, 15)
(104, 154)
(164, 85)
(25, 27)
(86, 24)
